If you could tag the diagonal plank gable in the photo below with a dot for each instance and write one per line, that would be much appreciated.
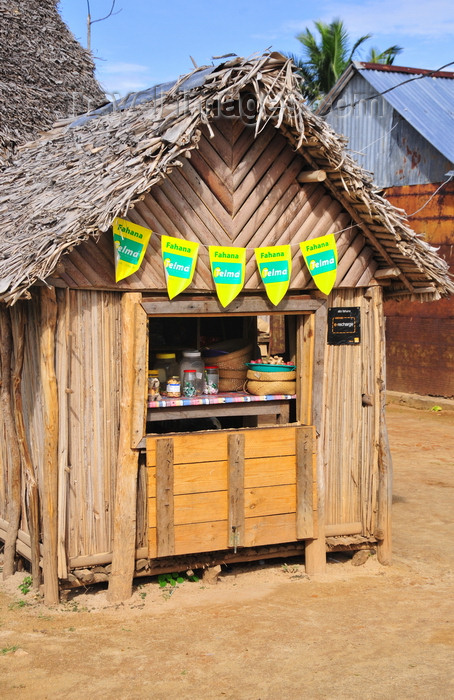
(236, 189)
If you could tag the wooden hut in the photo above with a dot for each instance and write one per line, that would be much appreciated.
(90, 488)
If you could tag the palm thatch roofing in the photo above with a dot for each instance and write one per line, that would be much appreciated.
(44, 72)
(71, 184)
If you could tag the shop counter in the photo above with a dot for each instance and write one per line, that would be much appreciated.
(235, 403)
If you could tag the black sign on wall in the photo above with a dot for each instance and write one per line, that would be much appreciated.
(344, 325)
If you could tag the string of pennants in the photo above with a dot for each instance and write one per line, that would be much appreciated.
(227, 263)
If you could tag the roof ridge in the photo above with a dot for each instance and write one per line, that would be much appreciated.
(436, 73)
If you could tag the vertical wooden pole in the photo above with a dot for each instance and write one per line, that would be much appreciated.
(139, 411)
(50, 456)
(125, 507)
(277, 334)
(315, 549)
(305, 367)
(64, 383)
(236, 444)
(304, 483)
(165, 533)
(385, 467)
(13, 486)
(31, 485)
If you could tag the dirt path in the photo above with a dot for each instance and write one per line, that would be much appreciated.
(266, 633)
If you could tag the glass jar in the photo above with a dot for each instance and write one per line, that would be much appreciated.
(153, 385)
(211, 379)
(192, 359)
(189, 382)
(173, 387)
(167, 367)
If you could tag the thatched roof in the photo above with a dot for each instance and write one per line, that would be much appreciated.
(44, 73)
(71, 184)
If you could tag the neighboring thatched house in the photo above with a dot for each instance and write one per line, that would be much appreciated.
(399, 123)
(45, 74)
(228, 155)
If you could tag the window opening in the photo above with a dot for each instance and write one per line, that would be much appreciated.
(229, 335)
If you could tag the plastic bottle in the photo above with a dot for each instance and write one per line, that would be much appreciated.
(167, 367)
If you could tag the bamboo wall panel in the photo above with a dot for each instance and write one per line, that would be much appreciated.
(351, 429)
(92, 382)
(32, 409)
(3, 467)
(234, 190)
(32, 392)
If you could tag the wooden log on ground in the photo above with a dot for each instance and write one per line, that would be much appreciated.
(125, 507)
(50, 455)
(14, 470)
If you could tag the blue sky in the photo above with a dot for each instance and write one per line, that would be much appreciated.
(151, 42)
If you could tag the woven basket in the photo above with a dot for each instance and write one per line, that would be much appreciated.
(271, 376)
(267, 388)
(233, 360)
(231, 379)
(232, 368)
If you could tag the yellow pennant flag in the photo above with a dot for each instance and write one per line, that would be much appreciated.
(227, 268)
(275, 267)
(179, 258)
(130, 244)
(320, 255)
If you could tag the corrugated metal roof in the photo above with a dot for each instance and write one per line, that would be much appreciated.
(424, 100)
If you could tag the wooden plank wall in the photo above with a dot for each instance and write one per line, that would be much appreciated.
(3, 468)
(32, 405)
(87, 362)
(88, 372)
(31, 386)
(246, 496)
(351, 429)
(234, 190)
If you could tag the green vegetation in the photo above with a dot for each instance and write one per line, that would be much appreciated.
(8, 650)
(26, 585)
(172, 579)
(327, 56)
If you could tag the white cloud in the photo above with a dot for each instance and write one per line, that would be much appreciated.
(121, 78)
(122, 68)
(379, 17)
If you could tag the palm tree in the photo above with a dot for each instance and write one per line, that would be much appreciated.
(325, 60)
(385, 57)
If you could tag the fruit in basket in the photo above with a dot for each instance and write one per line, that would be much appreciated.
(271, 360)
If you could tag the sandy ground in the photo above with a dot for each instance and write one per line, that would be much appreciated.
(267, 632)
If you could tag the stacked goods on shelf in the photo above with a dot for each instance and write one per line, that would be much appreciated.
(270, 376)
(231, 362)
